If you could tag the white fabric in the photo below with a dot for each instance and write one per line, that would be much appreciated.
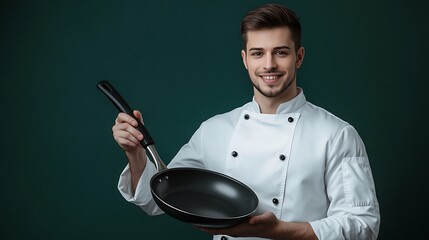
(325, 178)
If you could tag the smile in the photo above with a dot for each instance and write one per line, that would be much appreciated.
(270, 77)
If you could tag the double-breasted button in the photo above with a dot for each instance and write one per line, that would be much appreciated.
(234, 153)
(282, 157)
(290, 119)
(275, 201)
(246, 116)
(224, 238)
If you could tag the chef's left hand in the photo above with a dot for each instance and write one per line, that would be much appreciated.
(255, 226)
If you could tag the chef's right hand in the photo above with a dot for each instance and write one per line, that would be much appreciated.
(128, 137)
(126, 134)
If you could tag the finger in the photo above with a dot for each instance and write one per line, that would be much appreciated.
(126, 143)
(124, 122)
(125, 118)
(127, 131)
(263, 218)
(138, 116)
(126, 135)
(257, 219)
(254, 220)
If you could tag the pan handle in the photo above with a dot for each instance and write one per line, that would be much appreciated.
(123, 106)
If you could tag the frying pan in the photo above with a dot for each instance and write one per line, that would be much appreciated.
(197, 196)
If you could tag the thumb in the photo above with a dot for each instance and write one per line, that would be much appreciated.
(255, 219)
(138, 115)
(263, 218)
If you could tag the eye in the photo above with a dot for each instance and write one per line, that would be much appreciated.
(256, 54)
(281, 53)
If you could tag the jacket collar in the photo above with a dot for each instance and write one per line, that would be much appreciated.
(287, 107)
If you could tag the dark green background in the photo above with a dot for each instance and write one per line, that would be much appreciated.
(179, 62)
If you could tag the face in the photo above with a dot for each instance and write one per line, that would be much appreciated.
(272, 61)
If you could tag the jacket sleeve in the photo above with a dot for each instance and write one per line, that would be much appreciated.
(142, 197)
(353, 212)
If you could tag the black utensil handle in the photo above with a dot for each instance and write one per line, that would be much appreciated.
(123, 106)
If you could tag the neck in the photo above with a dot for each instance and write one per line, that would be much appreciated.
(269, 105)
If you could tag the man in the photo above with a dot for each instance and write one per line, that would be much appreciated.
(309, 168)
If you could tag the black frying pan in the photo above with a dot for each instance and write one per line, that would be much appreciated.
(197, 196)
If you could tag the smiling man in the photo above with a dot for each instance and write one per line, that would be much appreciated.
(272, 61)
(309, 169)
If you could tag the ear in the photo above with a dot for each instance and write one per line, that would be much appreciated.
(243, 56)
(299, 57)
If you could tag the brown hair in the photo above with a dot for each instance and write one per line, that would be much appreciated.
(271, 16)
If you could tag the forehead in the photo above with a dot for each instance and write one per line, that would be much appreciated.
(270, 38)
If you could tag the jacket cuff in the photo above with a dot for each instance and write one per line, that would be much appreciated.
(142, 196)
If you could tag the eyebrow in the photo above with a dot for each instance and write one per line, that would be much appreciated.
(276, 48)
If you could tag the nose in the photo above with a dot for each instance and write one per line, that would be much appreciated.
(270, 62)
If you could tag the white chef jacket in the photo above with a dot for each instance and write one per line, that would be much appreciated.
(304, 164)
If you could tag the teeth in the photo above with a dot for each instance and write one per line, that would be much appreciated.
(269, 77)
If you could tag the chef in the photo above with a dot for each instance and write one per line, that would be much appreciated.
(309, 169)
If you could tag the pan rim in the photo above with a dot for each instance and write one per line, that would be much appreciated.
(255, 196)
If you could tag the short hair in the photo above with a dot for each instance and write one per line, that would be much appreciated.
(270, 16)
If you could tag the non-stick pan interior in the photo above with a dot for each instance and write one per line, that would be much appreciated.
(203, 193)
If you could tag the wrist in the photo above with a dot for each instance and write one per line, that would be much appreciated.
(136, 154)
(136, 159)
